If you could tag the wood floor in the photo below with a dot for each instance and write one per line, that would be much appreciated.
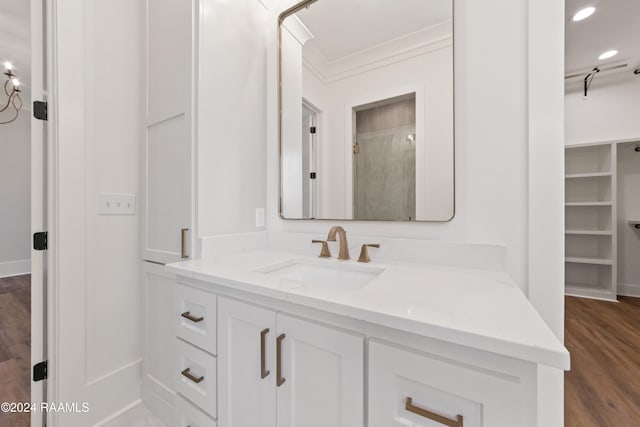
(603, 387)
(15, 346)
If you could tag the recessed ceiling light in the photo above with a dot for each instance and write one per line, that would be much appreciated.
(584, 13)
(608, 54)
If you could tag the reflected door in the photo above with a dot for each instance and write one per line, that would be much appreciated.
(309, 165)
(384, 160)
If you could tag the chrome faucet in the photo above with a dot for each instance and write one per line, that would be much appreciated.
(344, 246)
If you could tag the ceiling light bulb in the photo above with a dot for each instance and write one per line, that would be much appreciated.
(8, 65)
(583, 13)
(608, 54)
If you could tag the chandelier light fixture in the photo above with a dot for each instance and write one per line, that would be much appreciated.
(10, 109)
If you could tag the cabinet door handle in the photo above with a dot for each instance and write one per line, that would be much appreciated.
(409, 406)
(263, 372)
(187, 315)
(279, 379)
(187, 373)
(183, 243)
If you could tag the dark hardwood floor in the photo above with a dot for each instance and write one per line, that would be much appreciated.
(603, 387)
(15, 346)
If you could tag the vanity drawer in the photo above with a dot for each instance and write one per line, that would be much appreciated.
(188, 415)
(195, 317)
(408, 388)
(196, 376)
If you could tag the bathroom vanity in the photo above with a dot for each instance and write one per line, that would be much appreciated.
(271, 335)
(274, 338)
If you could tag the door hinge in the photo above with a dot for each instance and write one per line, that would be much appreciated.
(312, 175)
(40, 371)
(312, 129)
(40, 241)
(40, 110)
(356, 148)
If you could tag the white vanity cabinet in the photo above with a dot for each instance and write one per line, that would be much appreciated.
(283, 359)
(290, 372)
(276, 368)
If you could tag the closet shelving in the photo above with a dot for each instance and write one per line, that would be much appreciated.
(590, 212)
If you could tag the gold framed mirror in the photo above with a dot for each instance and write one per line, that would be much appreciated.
(366, 110)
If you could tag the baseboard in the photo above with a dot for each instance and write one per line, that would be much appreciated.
(118, 413)
(629, 290)
(15, 268)
(157, 405)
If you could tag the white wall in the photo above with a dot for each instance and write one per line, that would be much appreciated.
(611, 110)
(491, 136)
(15, 195)
(231, 118)
(97, 121)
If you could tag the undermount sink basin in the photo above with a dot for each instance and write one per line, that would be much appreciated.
(324, 274)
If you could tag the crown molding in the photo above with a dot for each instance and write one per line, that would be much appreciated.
(400, 49)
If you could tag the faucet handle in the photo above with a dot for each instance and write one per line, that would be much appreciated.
(364, 253)
(324, 253)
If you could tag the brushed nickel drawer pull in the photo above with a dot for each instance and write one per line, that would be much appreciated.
(187, 315)
(279, 379)
(197, 380)
(432, 415)
(263, 372)
(183, 243)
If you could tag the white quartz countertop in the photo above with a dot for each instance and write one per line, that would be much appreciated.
(478, 309)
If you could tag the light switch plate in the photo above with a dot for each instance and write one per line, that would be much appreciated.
(259, 217)
(116, 204)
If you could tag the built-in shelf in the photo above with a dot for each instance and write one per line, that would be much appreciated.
(591, 227)
(588, 204)
(594, 261)
(586, 291)
(587, 175)
(589, 232)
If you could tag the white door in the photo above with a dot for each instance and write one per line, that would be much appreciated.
(323, 373)
(246, 365)
(38, 207)
(168, 144)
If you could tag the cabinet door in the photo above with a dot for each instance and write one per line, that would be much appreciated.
(158, 339)
(323, 372)
(167, 192)
(246, 387)
(410, 389)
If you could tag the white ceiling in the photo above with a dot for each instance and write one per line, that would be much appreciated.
(14, 40)
(614, 25)
(342, 28)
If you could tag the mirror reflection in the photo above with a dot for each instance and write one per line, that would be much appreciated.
(366, 110)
